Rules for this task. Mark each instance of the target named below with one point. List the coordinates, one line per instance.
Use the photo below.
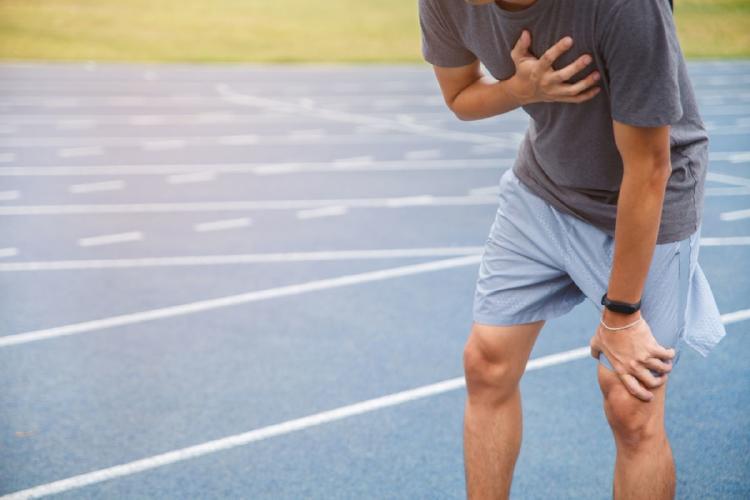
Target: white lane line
(7, 157)
(147, 120)
(736, 316)
(424, 154)
(75, 124)
(330, 255)
(315, 132)
(322, 212)
(271, 431)
(78, 152)
(725, 241)
(230, 95)
(290, 426)
(192, 177)
(232, 300)
(730, 156)
(108, 239)
(220, 225)
(223, 206)
(238, 140)
(9, 195)
(340, 165)
(735, 215)
(91, 187)
(486, 190)
(163, 145)
(728, 191)
(8, 252)
(210, 260)
(735, 180)
(354, 160)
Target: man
(604, 202)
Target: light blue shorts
(539, 263)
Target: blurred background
(279, 31)
(238, 247)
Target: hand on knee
(634, 423)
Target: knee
(633, 421)
(491, 377)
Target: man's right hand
(537, 81)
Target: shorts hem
(517, 319)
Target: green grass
(278, 30)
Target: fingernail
(586, 59)
(568, 40)
(596, 76)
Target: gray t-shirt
(568, 155)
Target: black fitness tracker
(620, 307)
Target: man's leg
(494, 360)
(644, 467)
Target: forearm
(639, 211)
(484, 98)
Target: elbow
(461, 115)
(654, 171)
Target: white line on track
(354, 160)
(341, 165)
(210, 260)
(75, 124)
(163, 145)
(230, 95)
(271, 431)
(486, 190)
(734, 180)
(725, 241)
(91, 187)
(295, 425)
(9, 195)
(322, 212)
(239, 140)
(729, 191)
(327, 255)
(108, 239)
(220, 225)
(7, 157)
(191, 178)
(424, 154)
(730, 156)
(223, 206)
(80, 151)
(735, 215)
(8, 252)
(233, 300)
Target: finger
(584, 96)
(660, 352)
(647, 379)
(574, 89)
(657, 365)
(634, 388)
(555, 51)
(573, 68)
(594, 348)
(521, 49)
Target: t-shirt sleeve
(441, 45)
(639, 46)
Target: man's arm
(645, 153)
(472, 95)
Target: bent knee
(633, 421)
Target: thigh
(522, 276)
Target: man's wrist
(513, 87)
(616, 319)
